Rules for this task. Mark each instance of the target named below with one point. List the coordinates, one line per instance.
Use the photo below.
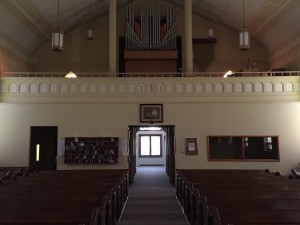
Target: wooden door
(43, 147)
(170, 152)
(132, 130)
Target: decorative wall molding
(14, 89)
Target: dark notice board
(243, 148)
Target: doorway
(43, 147)
(138, 155)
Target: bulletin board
(191, 147)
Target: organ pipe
(154, 31)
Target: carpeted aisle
(152, 200)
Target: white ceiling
(27, 24)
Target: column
(112, 36)
(188, 36)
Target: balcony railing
(152, 75)
(103, 87)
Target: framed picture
(191, 146)
(151, 113)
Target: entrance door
(170, 161)
(170, 151)
(43, 148)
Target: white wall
(192, 119)
(71, 119)
(202, 120)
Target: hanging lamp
(211, 33)
(229, 73)
(71, 74)
(244, 35)
(90, 30)
(57, 35)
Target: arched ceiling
(27, 25)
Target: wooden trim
(142, 55)
(204, 41)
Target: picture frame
(191, 147)
(151, 113)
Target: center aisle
(152, 200)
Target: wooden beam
(204, 40)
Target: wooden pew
(252, 187)
(238, 182)
(255, 204)
(262, 217)
(49, 204)
(41, 217)
(5, 175)
(186, 176)
(295, 173)
(222, 172)
(258, 191)
(248, 194)
(64, 178)
(25, 197)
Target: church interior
(117, 85)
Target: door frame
(170, 150)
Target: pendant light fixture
(57, 35)
(244, 35)
(90, 30)
(229, 73)
(71, 74)
(211, 33)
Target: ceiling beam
(271, 13)
(31, 17)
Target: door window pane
(155, 145)
(145, 145)
(150, 146)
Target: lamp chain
(57, 13)
(244, 26)
(210, 12)
(90, 6)
(90, 10)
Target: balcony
(150, 87)
(108, 75)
